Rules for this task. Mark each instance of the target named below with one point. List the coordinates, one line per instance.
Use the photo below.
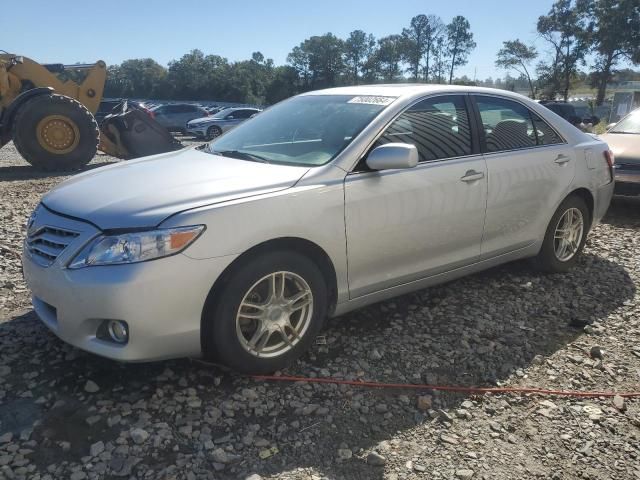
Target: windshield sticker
(371, 100)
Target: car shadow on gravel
(27, 172)
(481, 330)
(623, 212)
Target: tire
(79, 134)
(213, 132)
(548, 259)
(222, 331)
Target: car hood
(142, 193)
(625, 146)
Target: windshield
(306, 130)
(629, 124)
(220, 114)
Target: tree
(459, 42)
(414, 43)
(564, 27)
(358, 48)
(515, 55)
(321, 58)
(614, 35)
(135, 78)
(299, 60)
(440, 60)
(283, 84)
(389, 57)
(419, 42)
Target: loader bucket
(130, 132)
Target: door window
(544, 133)
(438, 127)
(507, 125)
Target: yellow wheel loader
(51, 120)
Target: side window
(438, 127)
(546, 135)
(243, 114)
(507, 124)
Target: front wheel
(267, 314)
(565, 236)
(55, 133)
(213, 132)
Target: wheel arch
(296, 244)
(586, 195)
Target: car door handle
(562, 159)
(472, 176)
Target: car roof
(411, 90)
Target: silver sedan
(322, 204)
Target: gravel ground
(65, 414)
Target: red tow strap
(446, 388)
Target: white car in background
(223, 121)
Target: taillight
(151, 113)
(611, 161)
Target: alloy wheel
(568, 234)
(274, 314)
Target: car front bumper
(197, 131)
(627, 179)
(161, 300)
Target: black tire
(220, 341)
(213, 132)
(25, 136)
(546, 260)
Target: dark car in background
(174, 116)
(570, 114)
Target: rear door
(404, 225)
(530, 168)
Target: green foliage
(608, 31)
(459, 43)
(565, 29)
(515, 55)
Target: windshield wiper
(240, 155)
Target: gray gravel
(65, 414)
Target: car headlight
(136, 247)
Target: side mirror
(393, 156)
(230, 117)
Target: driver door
(405, 225)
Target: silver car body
(400, 230)
(225, 120)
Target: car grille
(47, 243)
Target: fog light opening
(118, 331)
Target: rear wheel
(267, 314)
(565, 237)
(55, 133)
(213, 132)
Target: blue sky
(115, 30)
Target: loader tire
(55, 133)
